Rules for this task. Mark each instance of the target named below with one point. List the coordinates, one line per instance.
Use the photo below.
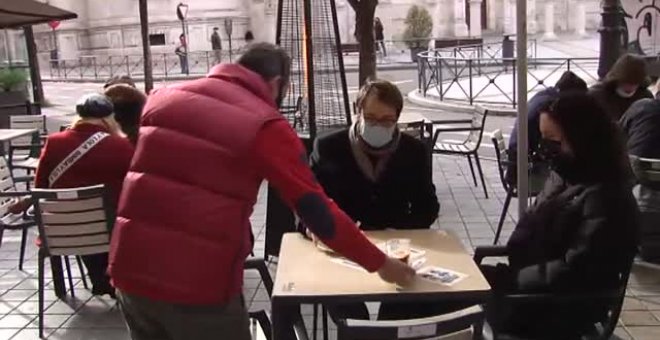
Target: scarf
(364, 153)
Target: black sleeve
(424, 206)
(590, 245)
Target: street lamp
(611, 32)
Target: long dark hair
(595, 139)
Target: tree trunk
(364, 17)
(146, 48)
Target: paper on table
(440, 275)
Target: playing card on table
(441, 275)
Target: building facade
(112, 27)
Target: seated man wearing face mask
(623, 85)
(376, 174)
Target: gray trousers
(156, 320)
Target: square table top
(9, 134)
(304, 272)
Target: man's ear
(274, 85)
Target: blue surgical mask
(375, 135)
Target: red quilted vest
(183, 230)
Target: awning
(18, 13)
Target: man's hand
(395, 271)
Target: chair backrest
(73, 221)
(6, 185)
(415, 129)
(478, 122)
(647, 170)
(27, 122)
(502, 154)
(454, 326)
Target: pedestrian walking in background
(181, 50)
(623, 85)
(379, 35)
(216, 45)
(183, 231)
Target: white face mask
(624, 94)
(375, 135)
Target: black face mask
(560, 162)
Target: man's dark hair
(384, 90)
(569, 81)
(215, 28)
(119, 79)
(268, 60)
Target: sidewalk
(495, 89)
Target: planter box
(11, 104)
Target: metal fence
(164, 65)
(481, 75)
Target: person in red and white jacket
(183, 232)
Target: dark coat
(216, 42)
(612, 103)
(582, 234)
(402, 198)
(641, 125)
(575, 239)
(534, 107)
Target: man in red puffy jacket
(183, 231)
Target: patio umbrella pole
(523, 148)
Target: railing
(104, 67)
(480, 77)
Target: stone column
(509, 9)
(460, 25)
(549, 22)
(532, 24)
(581, 20)
(441, 27)
(475, 18)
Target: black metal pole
(610, 36)
(340, 60)
(146, 48)
(33, 62)
(311, 98)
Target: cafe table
(7, 135)
(307, 275)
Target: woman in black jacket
(579, 235)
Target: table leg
(58, 276)
(287, 322)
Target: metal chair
(614, 297)
(10, 221)
(503, 162)
(460, 325)
(72, 222)
(24, 152)
(261, 317)
(470, 146)
(647, 173)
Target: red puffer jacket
(182, 231)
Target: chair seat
(466, 147)
(29, 163)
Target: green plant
(10, 78)
(419, 25)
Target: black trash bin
(507, 51)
